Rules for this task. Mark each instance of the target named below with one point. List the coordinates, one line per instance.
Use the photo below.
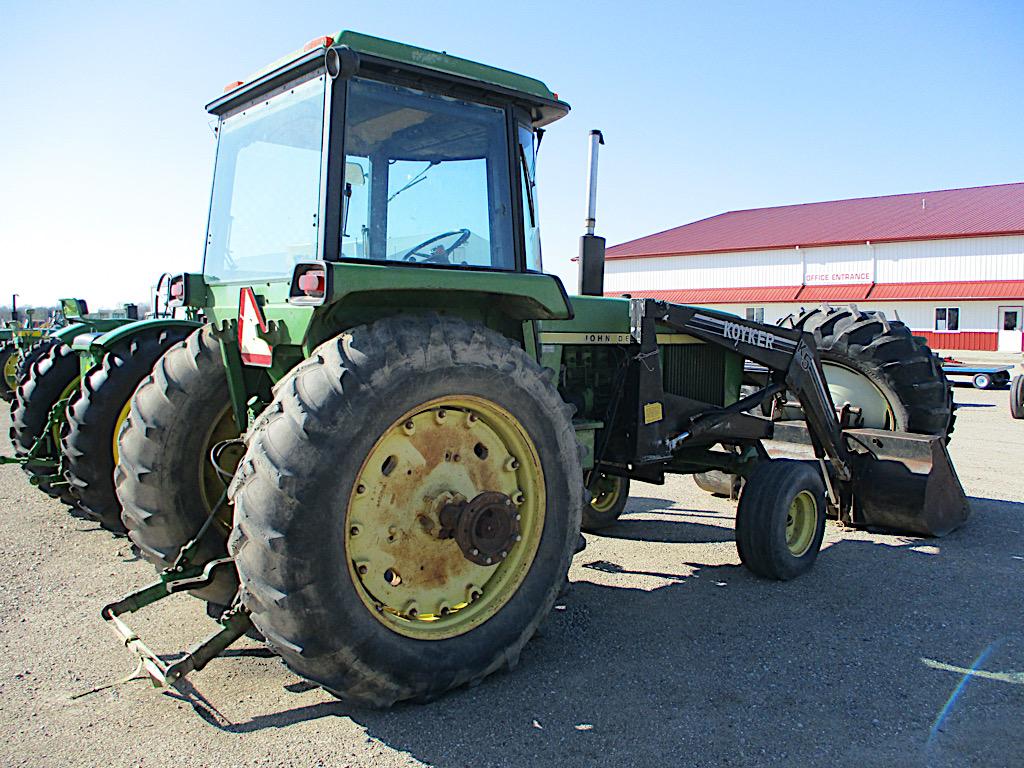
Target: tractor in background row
(379, 448)
(72, 391)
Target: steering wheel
(437, 258)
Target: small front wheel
(982, 381)
(609, 494)
(780, 521)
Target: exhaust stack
(591, 245)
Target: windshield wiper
(529, 185)
(421, 176)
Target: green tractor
(379, 450)
(73, 386)
(17, 343)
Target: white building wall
(957, 259)
(713, 270)
(967, 258)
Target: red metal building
(949, 263)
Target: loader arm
(790, 356)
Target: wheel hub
(485, 528)
(444, 517)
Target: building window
(756, 314)
(947, 319)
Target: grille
(696, 371)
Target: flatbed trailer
(982, 377)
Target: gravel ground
(665, 652)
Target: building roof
(775, 294)
(948, 213)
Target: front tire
(780, 520)
(351, 563)
(95, 418)
(609, 497)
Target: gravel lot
(665, 652)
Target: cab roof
(547, 106)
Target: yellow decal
(652, 413)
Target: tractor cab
(367, 151)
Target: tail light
(312, 283)
(176, 291)
(309, 284)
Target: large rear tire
(34, 352)
(1017, 397)
(885, 355)
(165, 482)
(53, 378)
(95, 417)
(344, 555)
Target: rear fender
(102, 342)
(358, 294)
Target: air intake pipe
(591, 245)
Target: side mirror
(354, 174)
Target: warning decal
(255, 351)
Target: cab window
(426, 179)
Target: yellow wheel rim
(409, 575)
(11, 371)
(121, 417)
(801, 523)
(606, 493)
(69, 390)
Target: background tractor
(72, 398)
(379, 448)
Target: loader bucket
(905, 482)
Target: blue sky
(106, 152)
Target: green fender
(106, 340)
(68, 332)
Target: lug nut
(360, 488)
(362, 570)
(354, 530)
